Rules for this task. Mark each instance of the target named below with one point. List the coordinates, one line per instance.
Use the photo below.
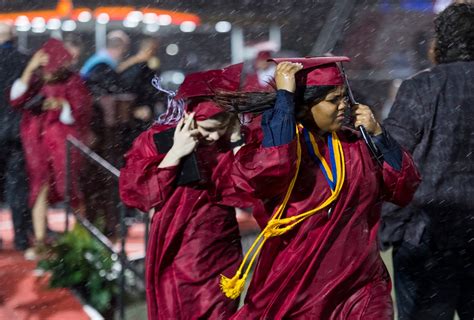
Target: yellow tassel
(232, 287)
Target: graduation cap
(317, 71)
(59, 57)
(204, 85)
(207, 83)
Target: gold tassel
(232, 287)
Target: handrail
(91, 155)
(72, 142)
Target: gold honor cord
(233, 287)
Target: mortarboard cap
(205, 84)
(317, 71)
(59, 57)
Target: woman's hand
(185, 136)
(184, 142)
(285, 75)
(363, 116)
(39, 59)
(52, 104)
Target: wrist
(237, 143)
(175, 154)
(378, 130)
(236, 137)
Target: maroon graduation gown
(44, 137)
(194, 236)
(327, 267)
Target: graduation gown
(194, 236)
(328, 267)
(44, 137)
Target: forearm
(171, 159)
(278, 124)
(27, 75)
(127, 64)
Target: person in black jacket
(433, 238)
(137, 80)
(12, 161)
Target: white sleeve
(18, 89)
(66, 114)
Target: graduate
(194, 236)
(55, 103)
(323, 191)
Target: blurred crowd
(109, 101)
(106, 104)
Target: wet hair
(454, 30)
(258, 102)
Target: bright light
(134, 16)
(38, 23)
(172, 49)
(187, 26)
(164, 19)
(24, 27)
(22, 21)
(150, 18)
(69, 25)
(84, 16)
(54, 24)
(152, 27)
(130, 23)
(103, 18)
(223, 26)
(177, 78)
(39, 29)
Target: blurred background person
(73, 43)
(101, 69)
(12, 158)
(101, 73)
(55, 103)
(136, 79)
(261, 74)
(432, 117)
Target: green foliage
(81, 262)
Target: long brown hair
(258, 102)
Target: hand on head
(285, 75)
(185, 136)
(39, 59)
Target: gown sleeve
(265, 170)
(142, 184)
(79, 98)
(32, 89)
(399, 185)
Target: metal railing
(71, 143)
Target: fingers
(363, 116)
(180, 124)
(289, 67)
(189, 120)
(285, 75)
(361, 109)
(194, 133)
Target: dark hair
(257, 102)
(74, 40)
(454, 29)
